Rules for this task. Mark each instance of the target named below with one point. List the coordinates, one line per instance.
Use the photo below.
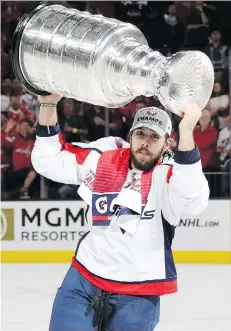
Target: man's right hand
(48, 115)
(52, 98)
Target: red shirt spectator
(128, 110)
(22, 145)
(5, 160)
(223, 143)
(4, 155)
(131, 108)
(14, 114)
(206, 139)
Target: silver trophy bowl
(99, 60)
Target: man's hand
(99, 121)
(48, 115)
(191, 114)
(68, 129)
(52, 98)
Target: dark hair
(167, 136)
(128, 137)
(6, 77)
(68, 100)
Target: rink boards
(48, 231)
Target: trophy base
(16, 44)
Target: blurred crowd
(168, 27)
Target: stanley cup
(58, 49)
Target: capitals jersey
(128, 247)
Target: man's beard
(147, 166)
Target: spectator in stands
(172, 30)
(92, 7)
(219, 100)
(217, 52)
(183, 9)
(14, 114)
(206, 139)
(226, 179)
(5, 159)
(105, 8)
(216, 121)
(96, 122)
(134, 12)
(224, 147)
(71, 123)
(10, 16)
(27, 100)
(22, 175)
(174, 139)
(128, 113)
(16, 88)
(14, 111)
(139, 104)
(128, 110)
(6, 92)
(6, 86)
(197, 26)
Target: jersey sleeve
(63, 162)
(187, 189)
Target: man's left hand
(191, 114)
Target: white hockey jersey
(131, 223)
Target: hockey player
(135, 196)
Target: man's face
(15, 102)
(139, 105)
(216, 36)
(227, 121)
(68, 108)
(205, 118)
(147, 148)
(7, 83)
(97, 109)
(17, 89)
(217, 87)
(172, 10)
(24, 128)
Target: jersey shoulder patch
(168, 158)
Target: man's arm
(187, 188)
(204, 18)
(57, 160)
(51, 156)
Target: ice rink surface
(203, 302)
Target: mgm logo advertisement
(7, 224)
